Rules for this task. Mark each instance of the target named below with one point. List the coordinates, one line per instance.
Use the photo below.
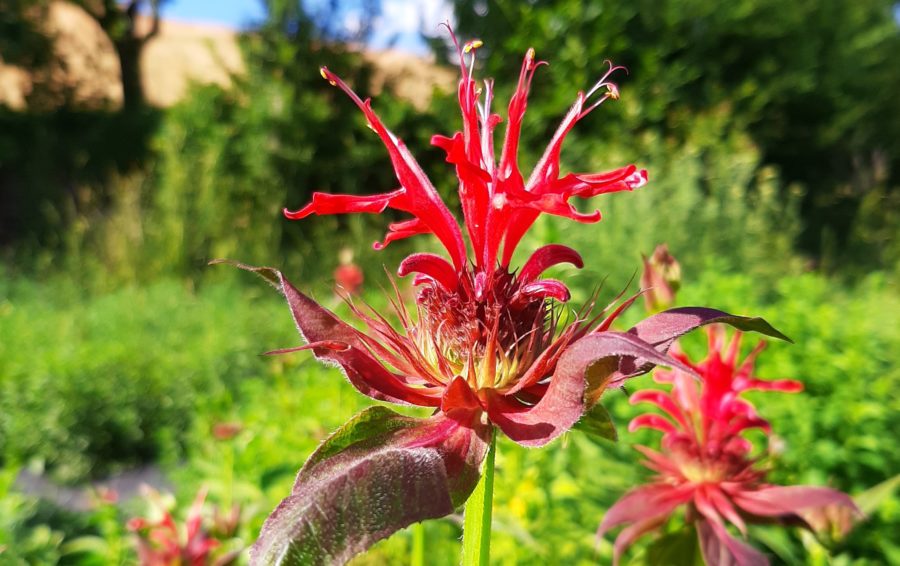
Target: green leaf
(598, 423)
(676, 549)
(869, 500)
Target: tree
(814, 84)
(120, 22)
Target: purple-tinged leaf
(320, 328)
(662, 329)
(568, 395)
(377, 474)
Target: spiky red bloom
(707, 465)
(162, 542)
(484, 338)
(486, 345)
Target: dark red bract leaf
(563, 404)
(662, 329)
(377, 474)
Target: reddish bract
(706, 463)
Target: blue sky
(398, 26)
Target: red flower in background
(163, 542)
(348, 277)
(487, 345)
(706, 464)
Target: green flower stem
(418, 545)
(477, 523)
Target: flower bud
(661, 279)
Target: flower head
(484, 337)
(707, 464)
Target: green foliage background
(770, 134)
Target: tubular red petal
(633, 532)
(402, 230)
(473, 188)
(645, 508)
(547, 288)
(587, 185)
(420, 198)
(431, 265)
(474, 194)
(325, 203)
(639, 504)
(656, 422)
(552, 203)
(547, 256)
(517, 105)
(726, 509)
(719, 547)
(662, 401)
(790, 500)
(508, 178)
(658, 462)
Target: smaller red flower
(348, 277)
(706, 464)
(162, 542)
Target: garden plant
(490, 348)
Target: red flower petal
(545, 257)
(431, 265)
(326, 203)
(418, 196)
(790, 500)
(401, 230)
(547, 288)
(719, 548)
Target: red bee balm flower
(163, 542)
(485, 346)
(706, 463)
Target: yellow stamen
(474, 44)
(324, 72)
(612, 91)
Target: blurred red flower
(706, 464)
